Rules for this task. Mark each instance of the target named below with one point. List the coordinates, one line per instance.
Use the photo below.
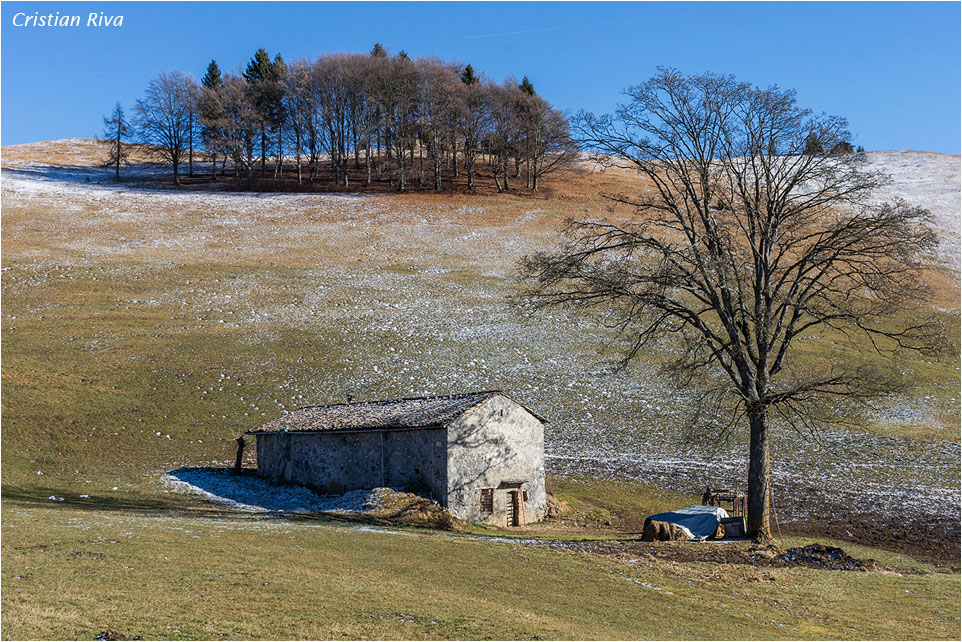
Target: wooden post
(239, 461)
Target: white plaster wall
(495, 443)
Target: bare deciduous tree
(473, 120)
(239, 124)
(548, 145)
(301, 121)
(439, 86)
(744, 246)
(163, 117)
(331, 79)
(503, 138)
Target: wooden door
(512, 511)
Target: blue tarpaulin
(698, 521)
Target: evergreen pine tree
(277, 114)
(212, 79)
(813, 145)
(378, 51)
(211, 112)
(526, 86)
(467, 76)
(116, 129)
(259, 67)
(841, 148)
(258, 75)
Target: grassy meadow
(144, 329)
(69, 573)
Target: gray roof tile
(419, 412)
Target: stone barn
(480, 455)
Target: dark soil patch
(922, 533)
(811, 556)
(928, 538)
(110, 634)
(821, 556)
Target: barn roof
(416, 412)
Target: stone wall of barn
(338, 461)
(497, 446)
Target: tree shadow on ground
(154, 176)
(130, 502)
(136, 176)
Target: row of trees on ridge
(376, 116)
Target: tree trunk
(190, 143)
(279, 168)
(400, 180)
(357, 157)
(263, 148)
(367, 162)
(421, 161)
(759, 480)
(176, 173)
(118, 154)
(298, 154)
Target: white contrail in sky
(515, 33)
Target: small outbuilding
(480, 455)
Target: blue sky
(891, 68)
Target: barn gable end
(496, 446)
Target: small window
(487, 500)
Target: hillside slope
(144, 328)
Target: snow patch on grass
(250, 493)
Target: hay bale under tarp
(699, 522)
(656, 531)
